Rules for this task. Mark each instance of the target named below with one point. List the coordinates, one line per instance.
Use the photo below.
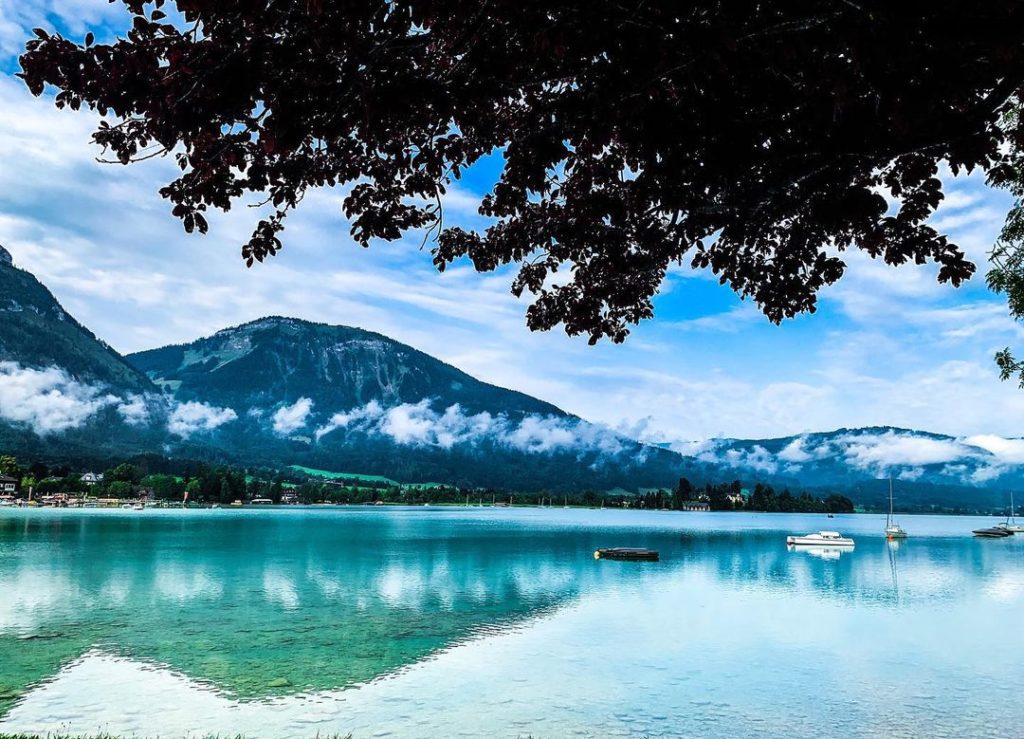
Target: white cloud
(134, 410)
(884, 346)
(418, 424)
(694, 448)
(48, 400)
(1009, 451)
(883, 451)
(756, 458)
(372, 411)
(76, 16)
(190, 418)
(794, 452)
(293, 417)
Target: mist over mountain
(342, 398)
(279, 391)
(275, 362)
(38, 332)
(62, 390)
(926, 467)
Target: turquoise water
(497, 622)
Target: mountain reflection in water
(257, 604)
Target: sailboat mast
(888, 519)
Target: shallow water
(447, 621)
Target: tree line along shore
(166, 482)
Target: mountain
(286, 391)
(282, 391)
(277, 361)
(35, 331)
(928, 468)
(63, 392)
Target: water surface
(478, 621)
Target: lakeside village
(155, 482)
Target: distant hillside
(282, 391)
(341, 398)
(927, 468)
(35, 331)
(63, 392)
(275, 361)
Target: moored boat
(993, 532)
(627, 553)
(892, 529)
(821, 539)
(830, 552)
(1011, 524)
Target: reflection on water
(821, 552)
(283, 603)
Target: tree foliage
(1007, 273)
(754, 139)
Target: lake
(435, 622)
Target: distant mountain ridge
(63, 392)
(281, 391)
(861, 459)
(37, 332)
(276, 361)
(343, 398)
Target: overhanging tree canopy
(752, 138)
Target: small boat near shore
(820, 539)
(993, 532)
(892, 528)
(1011, 524)
(630, 554)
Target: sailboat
(892, 529)
(1011, 520)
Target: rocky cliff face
(276, 361)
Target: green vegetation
(159, 479)
(732, 497)
(41, 332)
(343, 475)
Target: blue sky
(887, 347)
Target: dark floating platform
(627, 553)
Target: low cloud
(135, 411)
(190, 418)
(795, 453)
(293, 417)
(757, 458)
(905, 455)
(419, 424)
(1009, 451)
(48, 400)
(883, 451)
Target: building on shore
(8, 485)
(695, 505)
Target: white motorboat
(820, 539)
(826, 552)
(892, 529)
(1011, 524)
